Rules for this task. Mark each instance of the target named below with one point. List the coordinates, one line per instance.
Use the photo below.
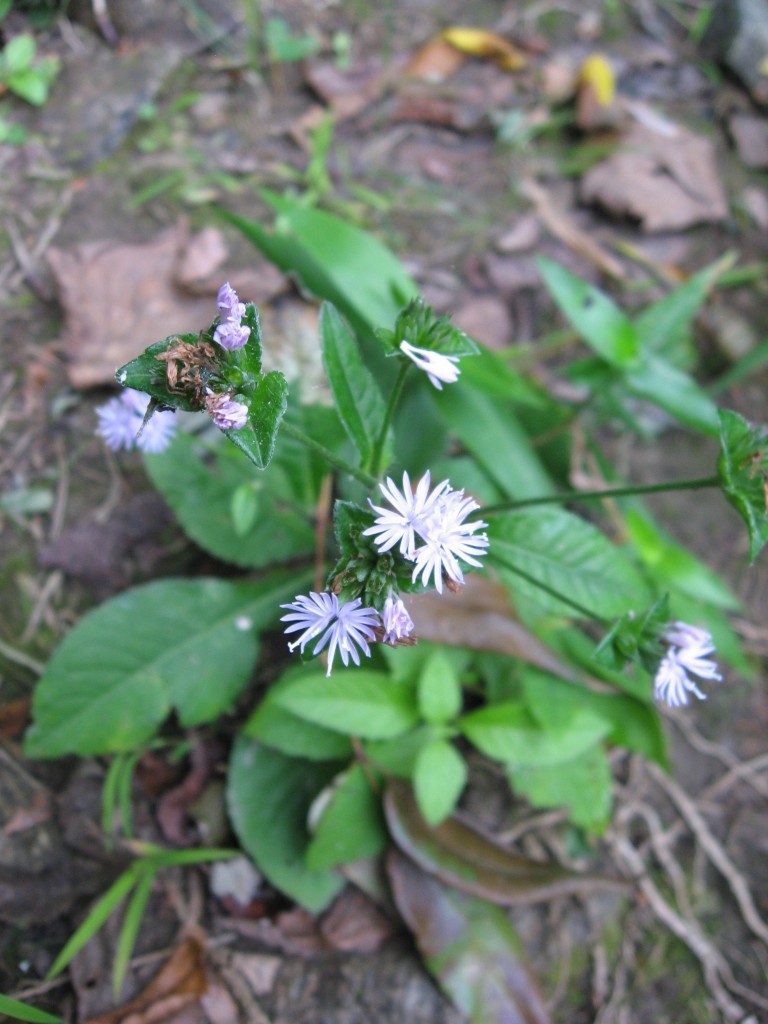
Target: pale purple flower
(343, 627)
(396, 620)
(229, 306)
(410, 510)
(437, 366)
(231, 335)
(225, 412)
(688, 655)
(121, 424)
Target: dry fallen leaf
(180, 982)
(480, 617)
(596, 106)
(750, 135)
(119, 298)
(435, 61)
(665, 182)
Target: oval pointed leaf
(464, 857)
(267, 408)
(358, 702)
(351, 827)
(439, 777)
(187, 644)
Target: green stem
(394, 398)
(584, 613)
(610, 492)
(328, 455)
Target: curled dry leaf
(479, 42)
(665, 182)
(469, 946)
(463, 856)
(479, 617)
(180, 982)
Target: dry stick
(715, 968)
(715, 851)
(717, 751)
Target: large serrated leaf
(269, 796)
(464, 857)
(568, 555)
(184, 644)
(469, 946)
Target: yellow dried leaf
(479, 42)
(597, 74)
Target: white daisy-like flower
(397, 622)
(410, 511)
(438, 367)
(343, 627)
(448, 539)
(688, 655)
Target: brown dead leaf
(487, 318)
(562, 226)
(435, 61)
(14, 718)
(665, 182)
(347, 93)
(180, 982)
(119, 298)
(173, 807)
(480, 617)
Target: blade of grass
(134, 915)
(20, 1011)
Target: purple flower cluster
(121, 424)
(230, 333)
(225, 412)
(687, 656)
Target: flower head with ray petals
(449, 540)
(688, 655)
(410, 511)
(343, 627)
(437, 366)
(121, 424)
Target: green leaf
(673, 566)
(489, 429)
(359, 702)
(583, 785)
(351, 827)
(439, 777)
(18, 54)
(134, 915)
(509, 733)
(283, 46)
(269, 796)
(200, 488)
(267, 408)
(29, 85)
(662, 326)
(333, 259)
(397, 757)
(675, 392)
(598, 319)
(567, 554)
(469, 946)
(244, 506)
(20, 1011)
(356, 395)
(439, 690)
(743, 471)
(287, 732)
(184, 644)
(147, 373)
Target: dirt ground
(466, 177)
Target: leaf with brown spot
(461, 855)
(180, 982)
(469, 946)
